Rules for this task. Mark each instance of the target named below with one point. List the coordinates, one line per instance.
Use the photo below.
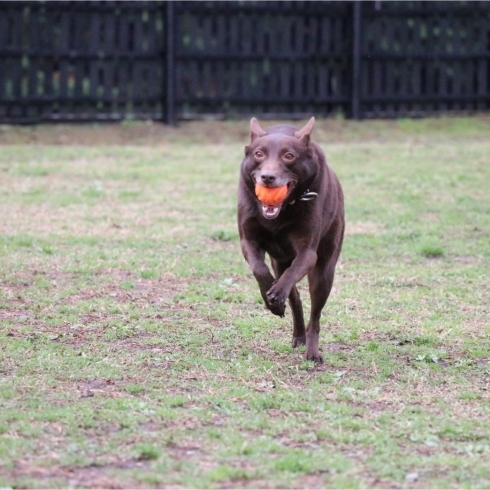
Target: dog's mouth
(272, 211)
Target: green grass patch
(136, 351)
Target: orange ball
(271, 196)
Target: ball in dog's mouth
(271, 199)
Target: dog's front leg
(301, 265)
(255, 256)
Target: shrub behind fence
(183, 60)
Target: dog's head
(276, 157)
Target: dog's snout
(267, 178)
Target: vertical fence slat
(170, 64)
(356, 60)
(64, 68)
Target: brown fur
(302, 237)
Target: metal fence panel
(268, 58)
(80, 60)
(421, 58)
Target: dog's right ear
(255, 130)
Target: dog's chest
(277, 245)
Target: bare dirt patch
(86, 477)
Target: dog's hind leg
(320, 281)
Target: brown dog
(302, 234)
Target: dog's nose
(268, 179)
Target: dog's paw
(297, 341)
(314, 356)
(276, 297)
(278, 310)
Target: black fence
(84, 61)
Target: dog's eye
(259, 154)
(289, 157)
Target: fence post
(356, 61)
(170, 63)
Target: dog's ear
(304, 133)
(255, 130)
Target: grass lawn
(135, 350)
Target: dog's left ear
(304, 133)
